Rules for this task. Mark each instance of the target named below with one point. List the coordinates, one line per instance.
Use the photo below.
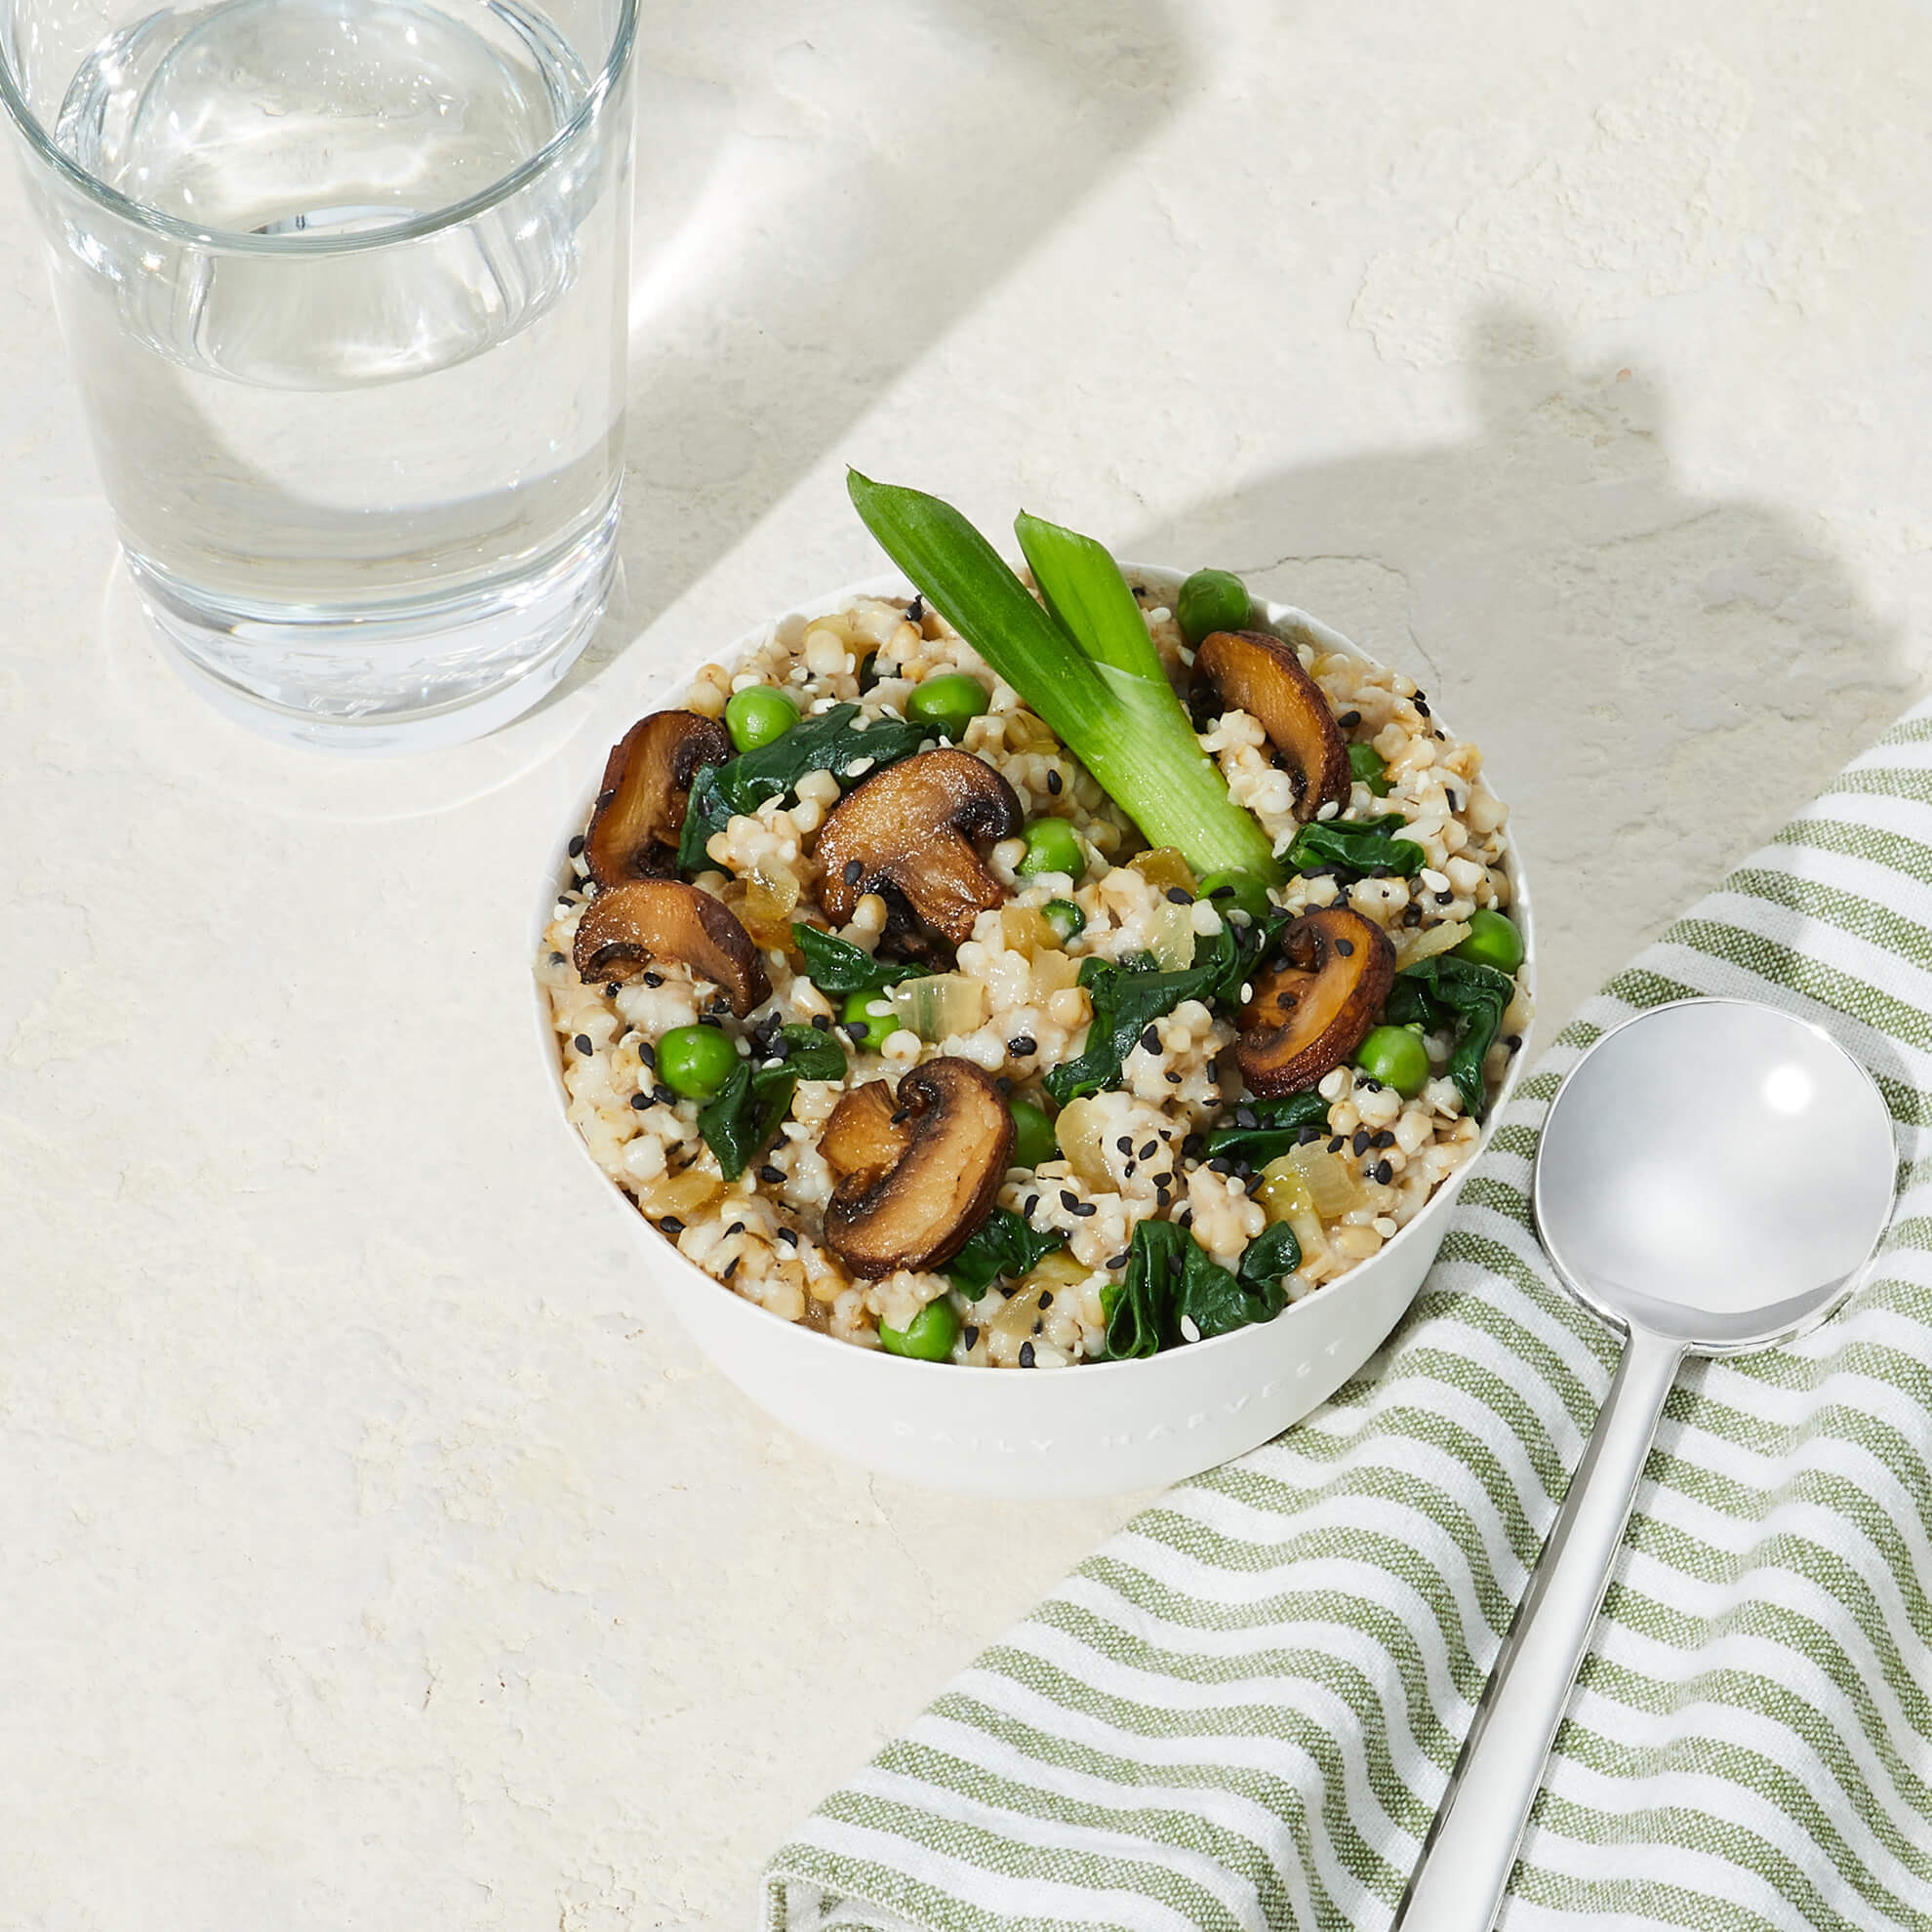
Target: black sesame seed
(770, 1176)
(1026, 1354)
(647, 1053)
(1455, 803)
(564, 901)
(1421, 708)
(1348, 720)
(1345, 947)
(1336, 1145)
(1221, 1164)
(640, 1102)
(1412, 915)
(1245, 1116)
(731, 1267)
(1383, 1171)
(1514, 1043)
(1367, 1085)
(662, 1095)
(1054, 782)
(1173, 1079)
(1151, 1041)
(1195, 1144)
(855, 871)
(1069, 1201)
(1127, 1172)
(856, 1030)
(1421, 697)
(1306, 1135)
(1222, 892)
(1022, 1046)
(915, 611)
(1360, 1143)
(789, 1236)
(575, 847)
(736, 1228)
(557, 959)
(822, 1023)
(1125, 1144)
(654, 978)
(672, 1225)
(1004, 1084)
(1384, 1139)
(582, 1043)
(1152, 1148)
(1186, 1218)
(901, 1115)
(1038, 1326)
(971, 1335)
(1046, 1297)
(1084, 1209)
(611, 991)
(1117, 1260)
(1179, 896)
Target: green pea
(949, 703)
(1064, 917)
(695, 1061)
(759, 714)
(1034, 1139)
(1052, 846)
(872, 1011)
(1237, 892)
(1211, 600)
(929, 1336)
(1493, 940)
(1368, 767)
(1397, 1057)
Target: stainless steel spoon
(1712, 1178)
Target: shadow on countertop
(1658, 679)
(799, 248)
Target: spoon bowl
(1715, 1171)
(1713, 1176)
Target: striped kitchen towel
(1243, 1712)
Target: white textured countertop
(376, 1553)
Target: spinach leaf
(1002, 1245)
(836, 966)
(1170, 1274)
(1128, 999)
(1442, 991)
(1356, 845)
(1277, 1127)
(832, 742)
(741, 1123)
(1269, 1258)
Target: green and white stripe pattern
(1242, 1713)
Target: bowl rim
(1275, 615)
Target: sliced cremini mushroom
(634, 830)
(1260, 674)
(1309, 1013)
(628, 927)
(909, 834)
(917, 1171)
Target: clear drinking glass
(343, 284)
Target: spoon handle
(1471, 1848)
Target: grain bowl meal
(1024, 972)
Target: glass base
(411, 678)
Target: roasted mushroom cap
(634, 830)
(1310, 1014)
(916, 1173)
(1262, 675)
(628, 927)
(907, 834)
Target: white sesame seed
(1434, 881)
(1190, 1329)
(1329, 810)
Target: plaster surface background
(378, 1554)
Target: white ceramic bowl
(1093, 1429)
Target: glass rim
(239, 241)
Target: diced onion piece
(1171, 936)
(681, 1194)
(1057, 1271)
(1284, 1190)
(1079, 1128)
(1334, 1186)
(939, 1005)
(1427, 943)
(1164, 866)
(1025, 929)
